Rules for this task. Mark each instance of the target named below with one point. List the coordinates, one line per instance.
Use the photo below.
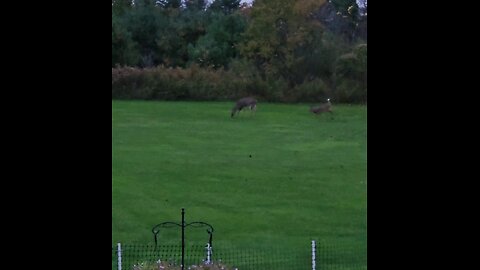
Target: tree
(226, 6)
(219, 45)
(145, 3)
(169, 3)
(345, 18)
(124, 49)
(280, 37)
(346, 7)
(351, 75)
(195, 4)
(120, 6)
(146, 24)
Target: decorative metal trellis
(183, 225)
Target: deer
(324, 107)
(247, 102)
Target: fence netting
(328, 257)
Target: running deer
(325, 107)
(247, 102)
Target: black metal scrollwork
(168, 224)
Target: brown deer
(324, 107)
(247, 102)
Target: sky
(361, 3)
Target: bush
(351, 76)
(241, 79)
(167, 266)
(311, 91)
(350, 91)
(192, 83)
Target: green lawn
(280, 177)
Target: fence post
(119, 253)
(313, 254)
(183, 238)
(209, 254)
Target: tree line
(277, 50)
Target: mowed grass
(280, 177)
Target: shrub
(311, 91)
(241, 79)
(351, 76)
(192, 83)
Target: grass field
(280, 177)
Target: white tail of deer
(247, 102)
(324, 107)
